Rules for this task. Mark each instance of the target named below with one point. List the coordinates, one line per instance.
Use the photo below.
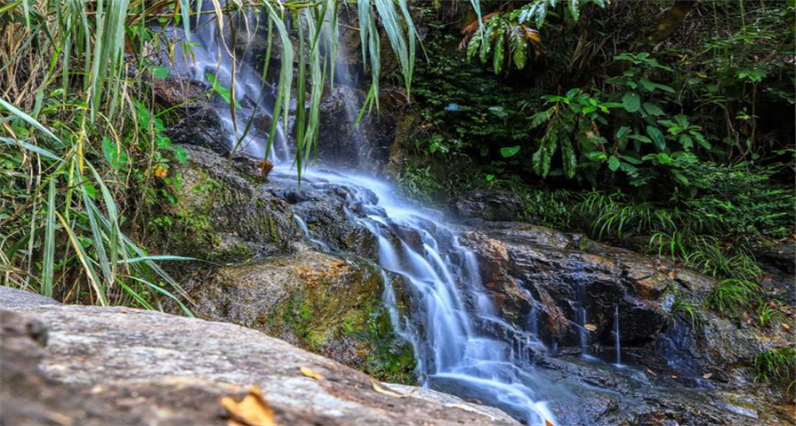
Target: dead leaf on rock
(253, 410)
(707, 375)
(386, 391)
(310, 373)
(590, 327)
(471, 409)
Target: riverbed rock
(122, 366)
(328, 304)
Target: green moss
(352, 323)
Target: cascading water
(455, 351)
(211, 55)
(453, 328)
(582, 316)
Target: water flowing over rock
(514, 316)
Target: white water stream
(453, 327)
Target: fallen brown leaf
(381, 389)
(785, 326)
(651, 372)
(707, 375)
(471, 409)
(548, 423)
(253, 410)
(590, 327)
(310, 373)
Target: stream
(461, 343)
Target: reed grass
(80, 141)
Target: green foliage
(777, 365)
(569, 126)
(769, 314)
(731, 295)
(682, 307)
(508, 37)
(551, 208)
(418, 183)
(85, 256)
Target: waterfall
(211, 54)
(455, 351)
(452, 326)
(617, 342)
(582, 318)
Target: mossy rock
(326, 304)
(220, 213)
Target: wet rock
(364, 147)
(324, 303)
(488, 204)
(565, 273)
(197, 122)
(329, 211)
(124, 366)
(779, 267)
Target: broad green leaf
(653, 109)
(613, 163)
(622, 132)
(509, 151)
(160, 73)
(631, 101)
(657, 137)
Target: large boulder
(328, 304)
(93, 366)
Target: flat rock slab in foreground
(86, 366)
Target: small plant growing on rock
(777, 365)
(732, 294)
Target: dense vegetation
(666, 127)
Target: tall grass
(81, 148)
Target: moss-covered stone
(220, 213)
(327, 304)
